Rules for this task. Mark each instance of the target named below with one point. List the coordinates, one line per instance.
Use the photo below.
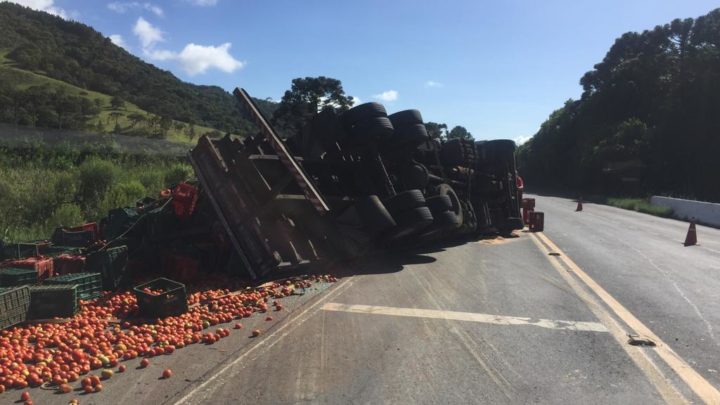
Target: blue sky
(499, 68)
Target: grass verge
(639, 205)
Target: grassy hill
(108, 118)
(52, 71)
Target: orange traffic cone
(691, 238)
(579, 207)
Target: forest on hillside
(76, 54)
(648, 120)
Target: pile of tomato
(105, 333)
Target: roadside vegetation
(41, 188)
(639, 205)
(644, 123)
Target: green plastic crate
(89, 285)
(171, 302)
(15, 276)
(14, 304)
(110, 263)
(50, 301)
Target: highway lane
(490, 321)
(640, 260)
(407, 336)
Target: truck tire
(375, 127)
(406, 118)
(361, 112)
(410, 135)
(410, 222)
(447, 190)
(439, 203)
(414, 176)
(404, 201)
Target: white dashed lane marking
(467, 316)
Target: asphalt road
(541, 318)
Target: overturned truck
(349, 183)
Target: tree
(435, 130)
(116, 116)
(306, 98)
(135, 118)
(459, 132)
(117, 102)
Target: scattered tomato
(144, 363)
(167, 373)
(256, 333)
(122, 368)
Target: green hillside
(128, 118)
(647, 120)
(52, 71)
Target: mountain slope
(76, 54)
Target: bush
(152, 180)
(66, 215)
(177, 173)
(121, 195)
(96, 177)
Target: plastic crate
(89, 285)
(14, 304)
(66, 237)
(51, 301)
(43, 266)
(110, 263)
(15, 276)
(54, 250)
(68, 264)
(169, 300)
(22, 250)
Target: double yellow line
(567, 269)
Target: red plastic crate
(43, 266)
(68, 264)
(184, 199)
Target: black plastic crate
(169, 298)
(15, 276)
(89, 285)
(65, 237)
(22, 250)
(110, 263)
(14, 304)
(51, 301)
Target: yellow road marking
(466, 316)
(699, 385)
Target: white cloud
(389, 95)
(196, 59)
(147, 34)
(43, 5)
(123, 6)
(204, 3)
(118, 40)
(432, 83)
(356, 101)
(522, 139)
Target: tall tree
(435, 130)
(459, 132)
(306, 97)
